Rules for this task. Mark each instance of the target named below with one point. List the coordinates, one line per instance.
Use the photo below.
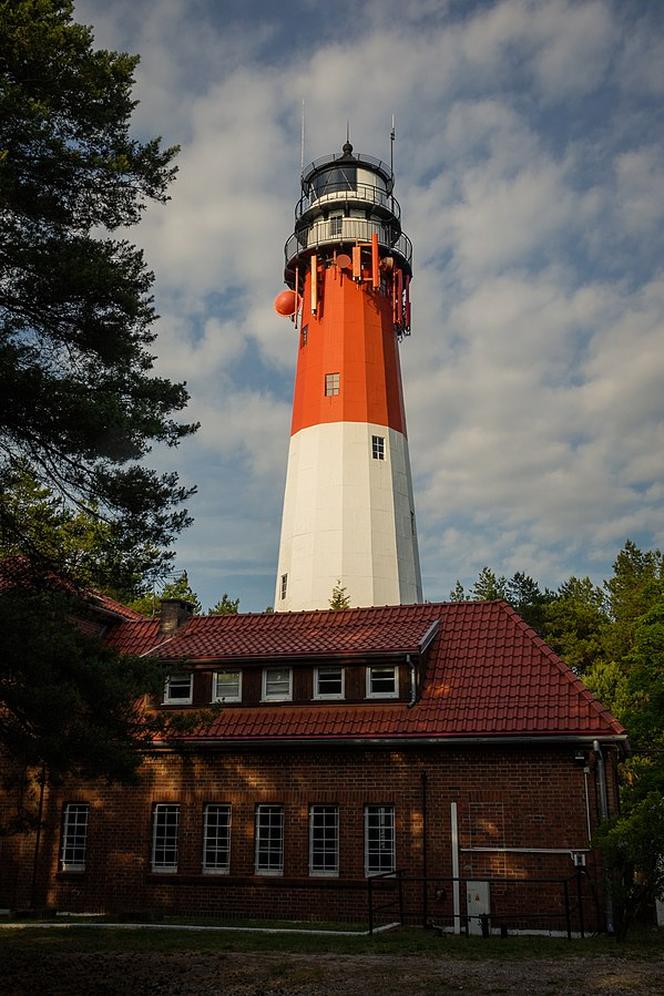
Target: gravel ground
(277, 974)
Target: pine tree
(340, 599)
(458, 593)
(488, 587)
(180, 588)
(78, 402)
(226, 606)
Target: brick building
(439, 741)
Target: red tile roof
(19, 572)
(290, 635)
(488, 674)
(110, 605)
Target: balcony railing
(367, 193)
(352, 230)
(356, 160)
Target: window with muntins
(277, 684)
(383, 682)
(165, 829)
(331, 385)
(336, 225)
(323, 840)
(179, 689)
(227, 686)
(74, 836)
(329, 682)
(304, 335)
(216, 839)
(379, 839)
(378, 447)
(269, 840)
(284, 585)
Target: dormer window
(227, 686)
(179, 689)
(329, 682)
(277, 684)
(383, 682)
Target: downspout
(456, 898)
(604, 814)
(35, 859)
(413, 676)
(425, 851)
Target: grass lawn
(642, 945)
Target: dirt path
(275, 974)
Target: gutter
(390, 741)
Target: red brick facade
(521, 810)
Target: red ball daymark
(285, 303)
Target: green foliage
(633, 846)
(78, 403)
(458, 593)
(636, 585)
(226, 606)
(148, 604)
(575, 623)
(340, 599)
(82, 545)
(488, 587)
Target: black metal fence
(567, 906)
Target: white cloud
(534, 375)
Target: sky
(530, 173)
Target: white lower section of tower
(347, 516)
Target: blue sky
(531, 177)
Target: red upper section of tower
(350, 334)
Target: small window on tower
(336, 225)
(304, 335)
(378, 447)
(331, 385)
(284, 585)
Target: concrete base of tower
(348, 515)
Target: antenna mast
(393, 136)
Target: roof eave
(618, 739)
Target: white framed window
(379, 850)
(269, 840)
(165, 831)
(336, 224)
(383, 682)
(304, 335)
(216, 839)
(227, 686)
(277, 684)
(179, 689)
(331, 385)
(323, 840)
(75, 819)
(329, 682)
(378, 447)
(284, 585)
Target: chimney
(175, 612)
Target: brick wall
(508, 798)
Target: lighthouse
(348, 512)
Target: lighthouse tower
(348, 510)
